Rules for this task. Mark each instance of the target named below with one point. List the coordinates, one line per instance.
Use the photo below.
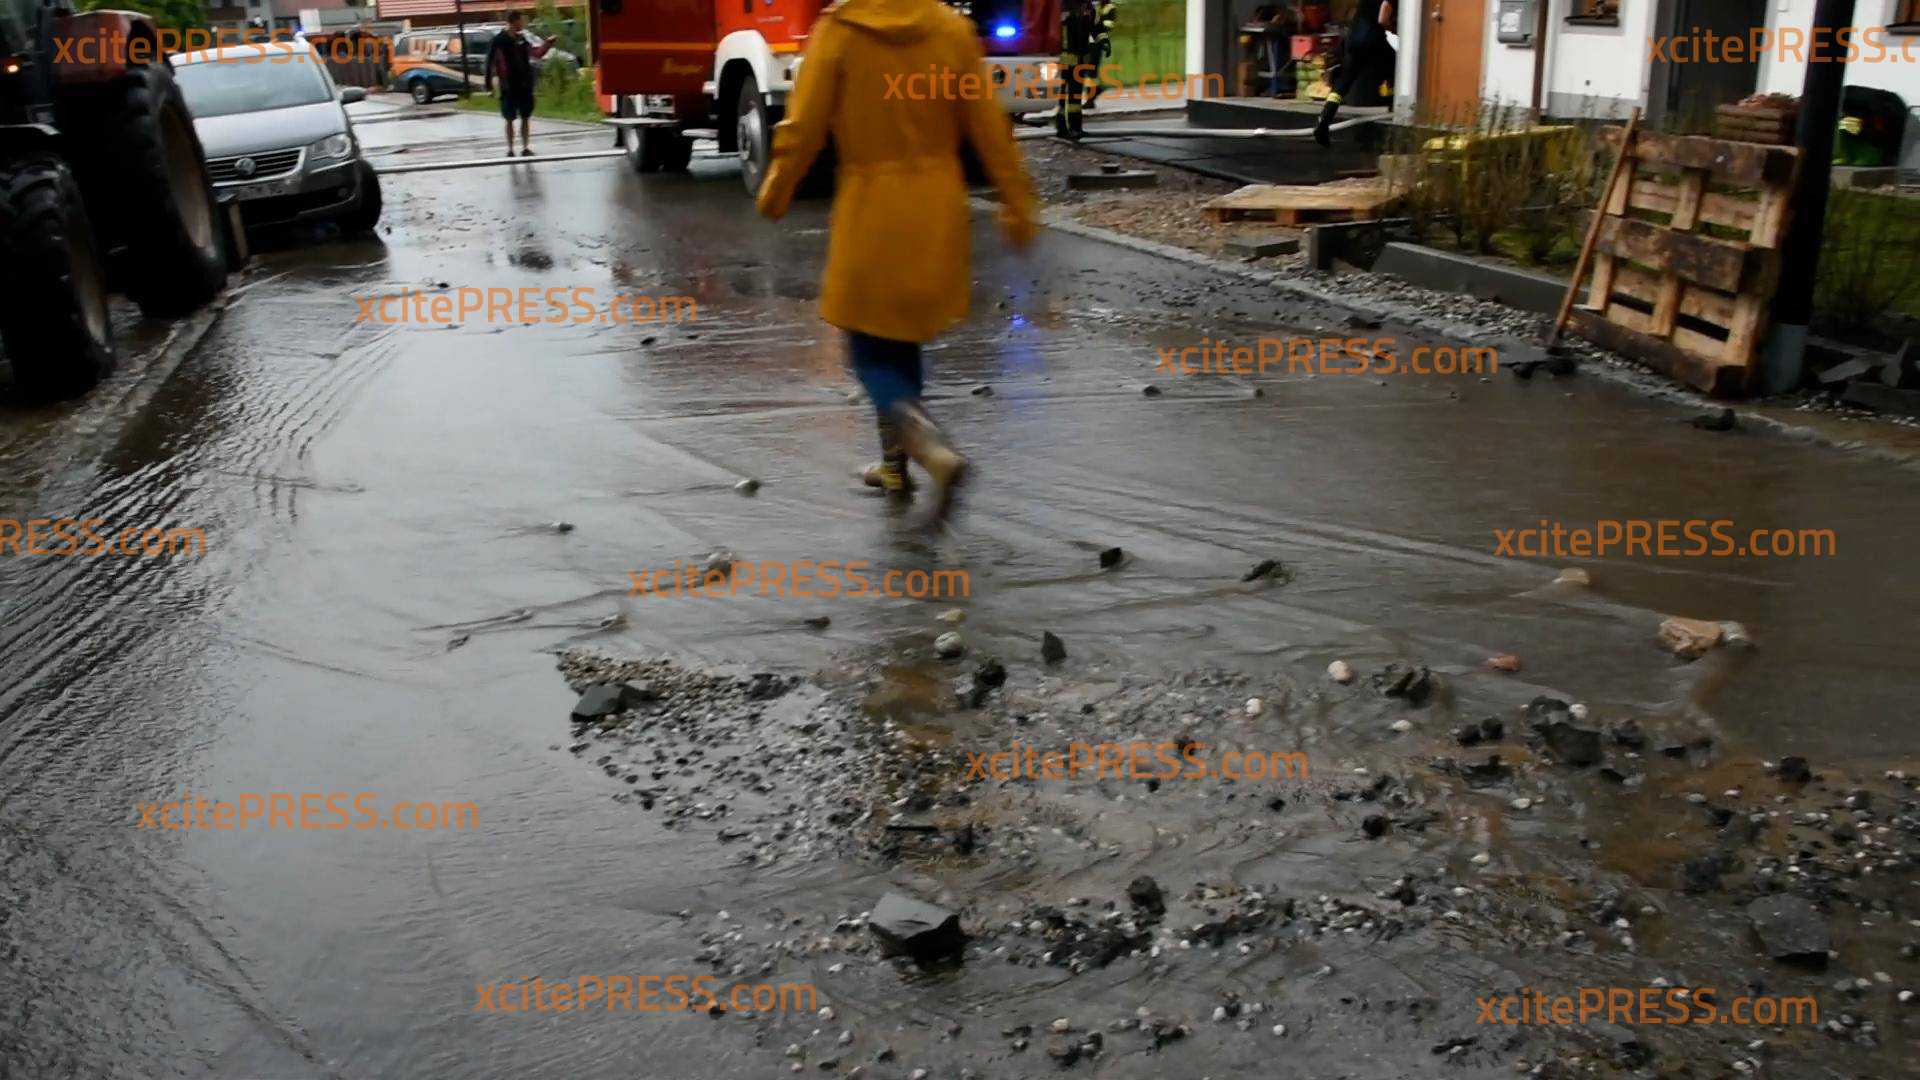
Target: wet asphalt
(382, 591)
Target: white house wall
(1597, 71)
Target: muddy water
(371, 495)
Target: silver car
(276, 135)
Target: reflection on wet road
(382, 592)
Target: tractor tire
(141, 167)
(54, 325)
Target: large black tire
(420, 90)
(140, 165)
(365, 213)
(753, 134)
(54, 322)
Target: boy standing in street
(511, 61)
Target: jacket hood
(893, 21)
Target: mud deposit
(1343, 922)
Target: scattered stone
(1255, 706)
(561, 526)
(1793, 770)
(1144, 893)
(818, 622)
(1401, 726)
(1374, 825)
(1573, 576)
(1791, 929)
(602, 700)
(1413, 685)
(1111, 557)
(1575, 746)
(950, 645)
(1052, 649)
(1504, 662)
(1522, 803)
(1150, 390)
(909, 927)
(1269, 568)
(1340, 671)
(988, 677)
(1627, 733)
(983, 390)
(1689, 638)
(952, 615)
(1720, 421)
(747, 486)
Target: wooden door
(1452, 40)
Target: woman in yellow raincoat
(900, 85)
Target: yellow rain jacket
(899, 84)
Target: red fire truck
(669, 71)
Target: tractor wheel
(54, 324)
(139, 162)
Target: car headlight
(331, 147)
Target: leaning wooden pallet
(1687, 255)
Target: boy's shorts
(516, 104)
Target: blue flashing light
(1005, 31)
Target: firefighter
(898, 246)
(1079, 59)
(1104, 14)
(1366, 66)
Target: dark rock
(1414, 685)
(1488, 772)
(1627, 733)
(1063, 1052)
(1111, 557)
(602, 700)
(988, 677)
(1702, 875)
(766, 686)
(1052, 649)
(1144, 893)
(1792, 930)
(909, 927)
(1573, 745)
(983, 390)
(1269, 568)
(1467, 735)
(1374, 825)
(819, 622)
(1794, 770)
(1492, 730)
(1720, 421)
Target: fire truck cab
(668, 71)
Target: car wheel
(753, 133)
(421, 91)
(139, 162)
(365, 213)
(54, 324)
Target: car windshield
(251, 83)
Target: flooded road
(383, 594)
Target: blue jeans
(889, 370)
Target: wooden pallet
(1756, 123)
(1297, 205)
(1666, 291)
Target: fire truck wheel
(140, 163)
(54, 324)
(753, 129)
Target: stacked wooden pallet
(1688, 255)
(1770, 124)
(1301, 204)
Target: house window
(1597, 12)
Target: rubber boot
(927, 445)
(1322, 132)
(889, 474)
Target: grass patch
(562, 94)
